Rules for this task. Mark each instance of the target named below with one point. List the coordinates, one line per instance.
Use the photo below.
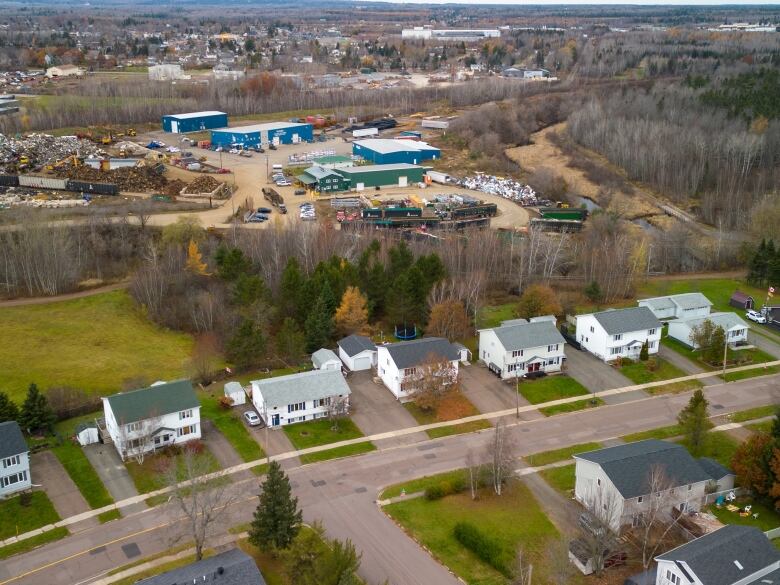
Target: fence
(774, 533)
(711, 498)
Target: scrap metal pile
(131, 179)
(506, 188)
(37, 150)
(26, 197)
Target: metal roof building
(382, 175)
(257, 134)
(386, 151)
(194, 121)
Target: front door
(534, 367)
(174, 127)
(403, 182)
(275, 420)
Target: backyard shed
(742, 300)
(383, 151)
(268, 133)
(235, 392)
(325, 359)
(87, 433)
(194, 122)
(384, 175)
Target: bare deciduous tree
(338, 409)
(500, 458)
(137, 437)
(560, 570)
(431, 380)
(523, 569)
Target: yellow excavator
(71, 159)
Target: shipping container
(485, 210)
(374, 212)
(363, 132)
(42, 182)
(96, 188)
(9, 180)
(438, 177)
(390, 212)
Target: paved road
(342, 492)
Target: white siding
(591, 335)
(491, 350)
(291, 413)
(394, 379)
(14, 474)
(682, 332)
(364, 360)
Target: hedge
(484, 546)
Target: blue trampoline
(405, 333)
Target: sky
(599, 2)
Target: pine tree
(8, 408)
(644, 353)
(290, 341)
(277, 519)
(247, 346)
(231, 263)
(319, 326)
(694, 421)
(593, 292)
(36, 414)
(352, 314)
(247, 289)
(291, 289)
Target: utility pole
(517, 393)
(725, 352)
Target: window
(617, 337)
(13, 478)
(188, 430)
(591, 329)
(640, 499)
(185, 414)
(651, 332)
(598, 481)
(134, 443)
(517, 353)
(690, 487)
(136, 426)
(552, 347)
(651, 345)
(511, 367)
(296, 407)
(410, 371)
(11, 461)
(615, 350)
(322, 402)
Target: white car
(234, 151)
(283, 183)
(755, 316)
(252, 419)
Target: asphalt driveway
(686, 365)
(219, 446)
(111, 470)
(47, 471)
(489, 394)
(595, 375)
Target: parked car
(755, 316)
(282, 208)
(283, 183)
(300, 192)
(252, 419)
(245, 153)
(234, 151)
(272, 146)
(264, 210)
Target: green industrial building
(359, 178)
(323, 180)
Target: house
(235, 392)
(325, 359)
(14, 460)
(732, 555)
(164, 414)
(742, 300)
(518, 347)
(682, 306)
(232, 567)
(299, 397)
(617, 333)
(736, 329)
(399, 365)
(64, 71)
(615, 482)
(357, 352)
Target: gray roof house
(735, 328)
(619, 333)
(357, 352)
(408, 354)
(14, 460)
(299, 397)
(623, 473)
(678, 306)
(626, 320)
(518, 348)
(325, 359)
(398, 364)
(232, 567)
(729, 556)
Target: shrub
(487, 548)
(444, 488)
(25, 498)
(225, 402)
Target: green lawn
(762, 427)
(754, 413)
(492, 315)
(30, 543)
(420, 484)
(659, 433)
(571, 406)
(547, 457)
(561, 478)
(639, 373)
(513, 519)
(551, 388)
(17, 519)
(719, 446)
(717, 290)
(246, 378)
(148, 476)
(735, 358)
(768, 518)
(469, 427)
(94, 343)
(320, 432)
(228, 422)
(336, 452)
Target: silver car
(252, 419)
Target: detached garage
(357, 352)
(397, 175)
(194, 122)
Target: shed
(464, 352)
(87, 433)
(384, 151)
(194, 122)
(742, 300)
(325, 359)
(382, 175)
(357, 352)
(269, 133)
(235, 392)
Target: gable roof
(713, 557)
(322, 356)
(628, 466)
(233, 567)
(11, 439)
(320, 173)
(407, 354)
(726, 320)
(156, 400)
(616, 321)
(528, 335)
(694, 300)
(313, 385)
(714, 469)
(390, 145)
(740, 296)
(354, 344)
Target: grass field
(768, 518)
(229, 423)
(719, 446)
(33, 542)
(748, 356)
(571, 406)
(659, 433)
(452, 407)
(320, 432)
(551, 388)
(513, 519)
(492, 315)
(561, 478)
(17, 519)
(148, 476)
(547, 457)
(639, 373)
(94, 343)
(419, 485)
(754, 413)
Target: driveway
(595, 375)
(111, 470)
(686, 365)
(562, 511)
(47, 471)
(489, 394)
(273, 441)
(374, 409)
(219, 446)
(764, 343)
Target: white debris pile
(23, 197)
(310, 155)
(506, 188)
(42, 149)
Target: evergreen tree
(290, 341)
(8, 408)
(319, 326)
(36, 414)
(593, 292)
(644, 353)
(291, 289)
(406, 299)
(694, 421)
(247, 346)
(372, 279)
(341, 563)
(231, 263)
(277, 519)
(773, 269)
(432, 269)
(401, 259)
(304, 554)
(758, 265)
(248, 289)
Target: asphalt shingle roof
(154, 401)
(321, 356)
(283, 390)
(233, 567)
(627, 320)
(725, 320)
(354, 344)
(528, 335)
(11, 439)
(712, 557)
(407, 354)
(714, 469)
(628, 466)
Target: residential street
(342, 493)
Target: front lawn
(719, 446)
(754, 413)
(94, 343)
(512, 520)
(28, 544)
(657, 369)
(571, 406)
(768, 518)
(547, 457)
(229, 423)
(551, 388)
(420, 484)
(320, 432)
(453, 405)
(561, 478)
(150, 475)
(742, 357)
(17, 519)
(659, 433)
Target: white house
(517, 348)
(64, 71)
(325, 359)
(682, 306)
(357, 352)
(235, 391)
(166, 413)
(732, 555)
(14, 460)
(619, 332)
(399, 364)
(736, 329)
(299, 397)
(615, 483)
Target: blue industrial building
(257, 134)
(382, 151)
(194, 122)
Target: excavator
(71, 159)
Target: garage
(357, 352)
(362, 362)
